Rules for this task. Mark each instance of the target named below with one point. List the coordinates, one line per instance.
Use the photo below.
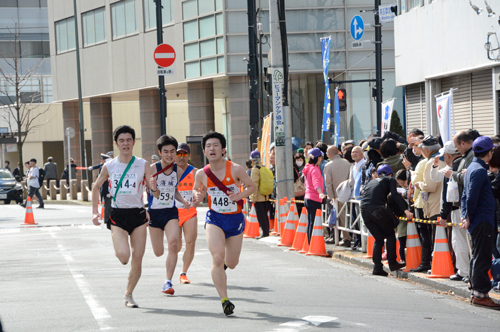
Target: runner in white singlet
(127, 218)
(164, 218)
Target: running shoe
(184, 279)
(228, 308)
(129, 301)
(167, 288)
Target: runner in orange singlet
(224, 220)
(188, 219)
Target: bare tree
(19, 110)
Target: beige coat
(336, 171)
(432, 206)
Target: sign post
(164, 56)
(70, 133)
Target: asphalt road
(63, 276)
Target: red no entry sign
(164, 55)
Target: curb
(456, 288)
(68, 202)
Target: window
(65, 35)
(23, 3)
(167, 14)
(189, 9)
(94, 26)
(203, 55)
(124, 18)
(190, 31)
(25, 49)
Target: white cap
(449, 147)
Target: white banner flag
(386, 115)
(443, 103)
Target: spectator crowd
(453, 183)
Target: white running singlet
(130, 192)
(167, 185)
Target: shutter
(415, 107)
(482, 103)
(461, 100)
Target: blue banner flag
(325, 52)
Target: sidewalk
(454, 288)
(355, 257)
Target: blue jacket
(477, 198)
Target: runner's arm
(151, 180)
(199, 188)
(240, 174)
(103, 176)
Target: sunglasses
(181, 154)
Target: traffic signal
(268, 82)
(342, 100)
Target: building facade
(208, 89)
(24, 34)
(440, 45)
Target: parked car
(10, 189)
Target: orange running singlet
(185, 188)
(218, 201)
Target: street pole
(253, 73)
(261, 77)
(69, 157)
(282, 125)
(161, 79)
(378, 65)
(80, 103)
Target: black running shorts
(127, 219)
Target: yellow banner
(266, 140)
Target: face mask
(415, 152)
(365, 154)
(299, 163)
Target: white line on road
(99, 312)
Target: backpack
(266, 181)
(41, 176)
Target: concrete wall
(441, 38)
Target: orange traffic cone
(300, 234)
(283, 215)
(369, 245)
(29, 219)
(317, 246)
(289, 231)
(296, 220)
(244, 211)
(442, 266)
(413, 248)
(253, 225)
(276, 228)
(305, 245)
(271, 222)
(102, 208)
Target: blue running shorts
(231, 224)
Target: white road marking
(99, 312)
(318, 320)
(304, 324)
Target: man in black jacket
(380, 220)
